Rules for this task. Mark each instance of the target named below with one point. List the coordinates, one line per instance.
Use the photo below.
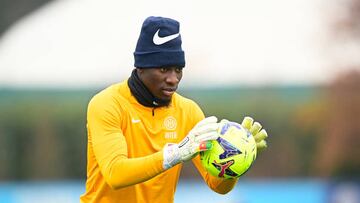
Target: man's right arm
(110, 148)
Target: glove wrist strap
(171, 156)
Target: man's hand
(197, 140)
(254, 128)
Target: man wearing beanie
(140, 131)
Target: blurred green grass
(43, 131)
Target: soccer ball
(232, 153)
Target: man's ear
(139, 71)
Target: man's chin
(165, 95)
(165, 99)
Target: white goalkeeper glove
(254, 128)
(197, 140)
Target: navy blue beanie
(159, 44)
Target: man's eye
(163, 70)
(178, 70)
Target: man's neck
(143, 94)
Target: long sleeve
(110, 147)
(219, 185)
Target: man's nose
(172, 77)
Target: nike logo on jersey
(135, 120)
(162, 40)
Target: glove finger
(211, 119)
(224, 121)
(255, 128)
(261, 135)
(261, 146)
(206, 128)
(207, 136)
(247, 122)
(205, 145)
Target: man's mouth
(168, 91)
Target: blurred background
(292, 65)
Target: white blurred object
(88, 42)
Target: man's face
(162, 82)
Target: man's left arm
(219, 185)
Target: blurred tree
(309, 122)
(334, 120)
(338, 152)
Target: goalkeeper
(141, 130)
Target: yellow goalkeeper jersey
(125, 142)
